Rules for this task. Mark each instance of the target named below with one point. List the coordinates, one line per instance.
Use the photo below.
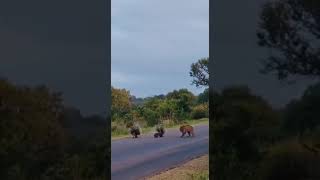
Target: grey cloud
(158, 40)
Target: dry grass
(196, 169)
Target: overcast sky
(155, 42)
(61, 44)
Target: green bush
(118, 128)
(290, 160)
(200, 111)
(151, 117)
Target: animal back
(186, 128)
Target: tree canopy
(291, 30)
(200, 72)
(244, 125)
(37, 139)
(303, 115)
(121, 101)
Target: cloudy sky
(155, 42)
(61, 44)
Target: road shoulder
(194, 169)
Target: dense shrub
(37, 140)
(118, 128)
(200, 111)
(241, 133)
(151, 117)
(252, 141)
(290, 160)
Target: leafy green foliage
(30, 129)
(200, 111)
(150, 116)
(303, 115)
(289, 160)
(174, 107)
(241, 132)
(203, 97)
(121, 103)
(251, 140)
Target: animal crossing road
(137, 158)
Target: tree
(200, 111)
(289, 160)
(121, 103)
(185, 99)
(152, 103)
(203, 97)
(200, 72)
(303, 114)
(243, 128)
(32, 138)
(151, 116)
(291, 30)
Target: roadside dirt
(189, 170)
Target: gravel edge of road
(173, 171)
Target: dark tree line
(40, 138)
(253, 140)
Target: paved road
(134, 159)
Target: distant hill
(139, 101)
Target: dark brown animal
(134, 130)
(157, 134)
(160, 132)
(186, 129)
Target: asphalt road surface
(134, 159)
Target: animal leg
(183, 134)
